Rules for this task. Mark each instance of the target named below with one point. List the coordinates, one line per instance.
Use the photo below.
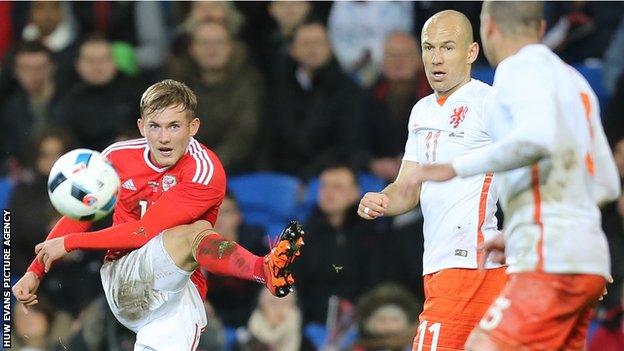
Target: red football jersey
(195, 184)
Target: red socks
(224, 257)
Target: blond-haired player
(554, 167)
(458, 214)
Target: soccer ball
(83, 185)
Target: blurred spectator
(187, 15)
(387, 319)
(403, 252)
(613, 226)
(98, 330)
(613, 119)
(581, 29)
(192, 13)
(315, 112)
(341, 253)
(6, 30)
(610, 334)
(232, 298)
(104, 104)
(43, 328)
(29, 111)
(392, 98)
(30, 196)
(613, 64)
(230, 94)
(357, 30)
(76, 280)
(272, 51)
(138, 23)
(275, 324)
(51, 23)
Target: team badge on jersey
(458, 115)
(168, 181)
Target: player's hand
(373, 205)
(437, 172)
(25, 288)
(495, 248)
(50, 251)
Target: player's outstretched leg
(198, 244)
(279, 279)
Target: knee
(197, 230)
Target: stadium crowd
(317, 91)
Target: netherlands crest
(458, 115)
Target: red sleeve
(63, 227)
(182, 204)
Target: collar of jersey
(454, 95)
(149, 162)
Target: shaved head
(515, 17)
(452, 20)
(448, 51)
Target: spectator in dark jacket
(104, 104)
(230, 93)
(315, 110)
(30, 110)
(340, 256)
(391, 100)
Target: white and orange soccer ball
(83, 185)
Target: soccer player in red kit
(172, 187)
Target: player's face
(446, 55)
(168, 133)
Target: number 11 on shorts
(434, 329)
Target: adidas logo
(129, 184)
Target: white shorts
(153, 297)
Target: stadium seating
(6, 188)
(266, 199)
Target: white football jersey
(458, 214)
(541, 108)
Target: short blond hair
(168, 93)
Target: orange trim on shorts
(487, 181)
(537, 215)
(441, 100)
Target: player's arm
(182, 204)
(532, 130)
(397, 198)
(63, 227)
(605, 172)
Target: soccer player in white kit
(459, 214)
(554, 166)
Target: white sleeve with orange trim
(530, 133)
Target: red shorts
(539, 311)
(455, 301)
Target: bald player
(458, 214)
(555, 168)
